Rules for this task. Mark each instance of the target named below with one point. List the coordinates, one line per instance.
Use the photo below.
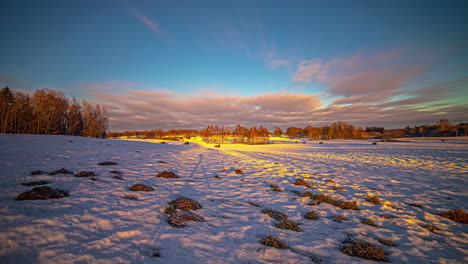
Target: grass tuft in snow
(308, 194)
(272, 241)
(35, 183)
(338, 188)
(387, 242)
(387, 216)
(180, 219)
(275, 214)
(289, 225)
(368, 222)
(373, 199)
(141, 188)
(170, 210)
(431, 228)
(37, 172)
(312, 215)
(415, 205)
(185, 204)
(42, 193)
(457, 215)
(167, 174)
(61, 171)
(339, 218)
(362, 249)
(107, 163)
(85, 174)
(319, 198)
(274, 187)
(131, 197)
(303, 183)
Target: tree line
(250, 135)
(338, 130)
(49, 112)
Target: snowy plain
(95, 224)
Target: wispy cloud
(148, 22)
(360, 78)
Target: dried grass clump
(85, 174)
(303, 183)
(185, 204)
(362, 249)
(42, 193)
(289, 225)
(373, 199)
(323, 198)
(388, 216)
(308, 194)
(319, 198)
(131, 197)
(431, 228)
(107, 163)
(368, 222)
(275, 214)
(339, 218)
(272, 241)
(457, 215)
(168, 175)
(274, 187)
(35, 183)
(37, 172)
(387, 242)
(61, 171)
(338, 188)
(170, 210)
(141, 188)
(180, 219)
(415, 205)
(312, 215)
(347, 205)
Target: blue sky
(341, 55)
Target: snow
(95, 224)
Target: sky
(189, 64)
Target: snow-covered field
(95, 224)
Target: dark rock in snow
(35, 183)
(180, 219)
(140, 187)
(42, 193)
(61, 171)
(107, 163)
(167, 174)
(38, 172)
(85, 174)
(185, 204)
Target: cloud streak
(360, 78)
(148, 22)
